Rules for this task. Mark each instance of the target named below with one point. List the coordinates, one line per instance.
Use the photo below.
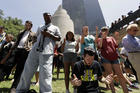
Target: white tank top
(70, 47)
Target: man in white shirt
(41, 55)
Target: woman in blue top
(87, 40)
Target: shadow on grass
(54, 79)
(4, 90)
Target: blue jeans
(34, 60)
(103, 60)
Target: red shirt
(108, 50)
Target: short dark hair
(73, 39)
(30, 22)
(90, 51)
(46, 13)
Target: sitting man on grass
(87, 72)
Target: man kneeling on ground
(87, 72)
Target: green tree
(12, 25)
(1, 13)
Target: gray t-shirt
(48, 45)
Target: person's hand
(78, 41)
(83, 34)
(109, 79)
(76, 81)
(55, 54)
(64, 40)
(97, 30)
(46, 34)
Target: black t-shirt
(5, 49)
(89, 76)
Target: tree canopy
(12, 25)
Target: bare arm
(55, 38)
(100, 43)
(63, 45)
(96, 37)
(77, 45)
(107, 80)
(124, 56)
(75, 81)
(82, 39)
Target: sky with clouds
(33, 9)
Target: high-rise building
(84, 12)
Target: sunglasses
(135, 30)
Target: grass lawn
(58, 85)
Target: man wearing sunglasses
(132, 44)
(41, 55)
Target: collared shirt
(48, 44)
(123, 51)
(23, 39)
(131, 43)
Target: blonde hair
(131, 26)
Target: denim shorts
(69, 57)
(103, 60)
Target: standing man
(41, 55)
(132, 45)
(23, 45)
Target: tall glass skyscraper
(84, 12)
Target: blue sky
(33, 9)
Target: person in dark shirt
(87, 72)
(5, 48)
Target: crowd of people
(91, 58)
